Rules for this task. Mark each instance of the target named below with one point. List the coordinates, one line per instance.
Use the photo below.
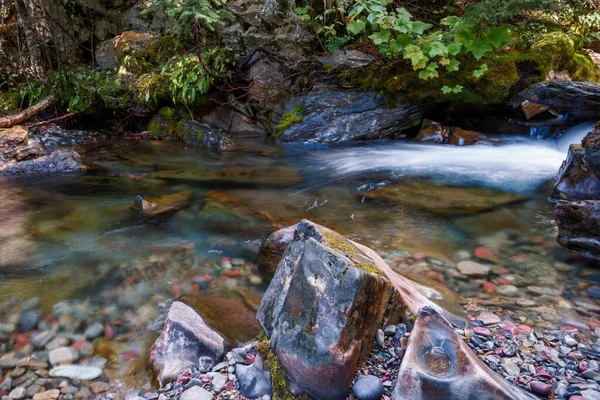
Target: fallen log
(25, 115)
(53, 120)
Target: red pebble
(471, 318)
(184, 379)
(542, 373)
(233, 273)
(3, 392)
(130, 355)
(109, 332)
(228, 386)
(509, 330)
(78, 344)
(569, 329)
(435, 276)
(204, 378)
(504, 281)
(250, 358)
(489, 287)
(175, 290)
(485, 254)
(524, 328)
(583, 366)
(480, 330)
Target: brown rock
(12, 137)
(47, 395)
(463, 137)
(28, 152)
(432, 132)
(531, 109)
(159, 205)
(272, 249)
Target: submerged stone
(279, 176)
(576, 178)
(183, 340)
(579, 226)
(450, 200)
(439, 364)
(153, 206)
(81, 372)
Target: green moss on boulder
(288, 119)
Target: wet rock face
(184, 339)
(321, 311)
(577, 192)
(579, 225)
(344, 116)
(439, 364)
(272, 249)
(60, 161)
(580, 99)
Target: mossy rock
(294, 116)
(508, 72)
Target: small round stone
(368, 387)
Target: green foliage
(188, 76)
(191, 19)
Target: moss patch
(294, 116)
(10, 101)
(337, 242)
(278, 383)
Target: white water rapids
(515, 165)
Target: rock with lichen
(321, 311)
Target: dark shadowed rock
(12, 137)
(576, 178)
(438, 364)
(344, 116)
(183, 340)
(580, 99)
(206, 135)
(579, 226)
(272, 250)
(23, 153)
(321, 311)
(60, 161)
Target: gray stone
(184, 339)
(94, 331)
(541, 290)
(368, 388)
(511, 366)
(18, 393)
(218, 381)
(81, 372)
(507, 291)
(29, 320)
(347, 59)
(205, 364)
(489, 318)
(63, 355)
(380, 338)
(60, 161)
(196, 393)
(345, 116)
(254, 379)
(472, 268)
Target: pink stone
(524, 328)
(569, 329)
(488, 287)
(485, 254)
(480, 330)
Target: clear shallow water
(75, 237)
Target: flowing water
(75, 237)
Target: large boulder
(577, 193)
(579, 99)
(438, 363)
(322, 310)
(327, 298)
(184, 339)
(327, 117)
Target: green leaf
(478, 73)
(356, 27)
(457, 89)
(416, 56)
(380, 37)
(454, 48)
(478, 48)
(450, 21)
(453, 65)
(398, 44)
(498, 36)
(403, 15)
(429, 72)
(444, 62)
(438, 49)
(419, 27)
(446, 90)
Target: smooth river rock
(183, 340)
(438, 364)
(81, 372)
